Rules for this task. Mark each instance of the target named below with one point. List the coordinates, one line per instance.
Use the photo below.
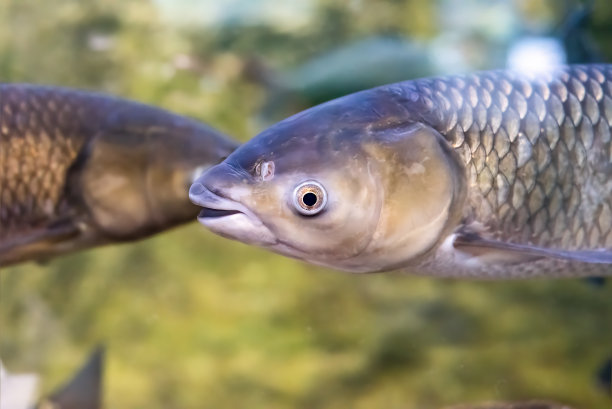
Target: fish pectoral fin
(494, 251)
(17, 248)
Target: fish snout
(213, 205)
(196, 192)
(205, 189)
(227, 217)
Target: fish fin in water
(494, 251)
(84, 390)
(15, 249)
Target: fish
(488, 175)
(535, 404)
(80, 169)
(340, 71)
(83, 390)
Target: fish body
(79, 169)
(496, 174)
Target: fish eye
(309, 198)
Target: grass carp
(79, 169)
(496, 174)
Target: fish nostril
(196, 189)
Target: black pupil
(310, 199)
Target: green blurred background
(192, 320)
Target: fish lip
(215, 205)
(228, 217)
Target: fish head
(288, 198)
(337, 185)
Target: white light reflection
(18, 391)
(536, 54)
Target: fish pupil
(309, 199)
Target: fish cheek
(266, 200)
(343, 229)
(420, 185)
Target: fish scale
(41, 134)
(536, 149)
(537, 153)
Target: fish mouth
(229, 218)
(208, 212)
